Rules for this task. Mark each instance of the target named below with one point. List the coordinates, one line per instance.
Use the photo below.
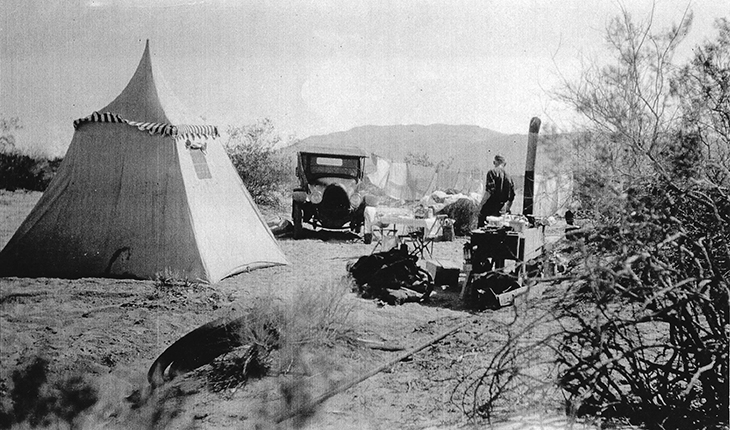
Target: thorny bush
(649, 312)
(639, 330)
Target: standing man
(499, 192)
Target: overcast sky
(313, 67)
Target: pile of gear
(393, 277)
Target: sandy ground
(110, 331)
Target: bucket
(448, 230)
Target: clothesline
(411, 182)
(400, 180)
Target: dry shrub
(171, 285)
(649, 312)
(232, 370)
(275, 336)
(38, 401)
(646, 314)
(259, 332)
(29, 172)
(313, 317)
(289, 337)
(317, 315)
(639, 333)
(520, 372)
(170, 279)
(263, 170)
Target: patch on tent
(200, 164)
(151, 127)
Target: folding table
(420, 232)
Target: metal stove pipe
(529, 191)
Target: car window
(328, 161)
(331, 166)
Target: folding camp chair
(422, 238)
(387, 237)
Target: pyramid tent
(142, 193)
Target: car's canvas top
(346, 151)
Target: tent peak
(148, 98)
(139, 101)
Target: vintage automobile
(330, 190)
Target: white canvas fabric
(133, 203)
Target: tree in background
(629, 111)
(19, 170)
(423, 159)
(252, 149)
(7, 137)
(418, 159)
(703, 90)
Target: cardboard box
(508, 298)
(444, 272)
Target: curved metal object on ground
(197, 348)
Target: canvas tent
(141, 193)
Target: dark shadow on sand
(325, 235)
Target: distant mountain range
(465, 147)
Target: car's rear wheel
(297, 215)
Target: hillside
(469, 146)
